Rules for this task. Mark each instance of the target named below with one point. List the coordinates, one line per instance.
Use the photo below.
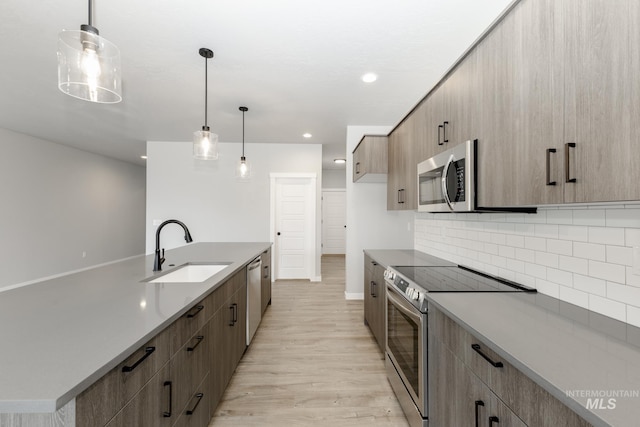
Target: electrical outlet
(636, 260)
(84, 254)
(409, 226)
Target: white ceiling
(295, 63)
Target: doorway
(294, 227)
(333, 221)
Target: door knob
(278, 233)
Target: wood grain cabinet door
(602, 90)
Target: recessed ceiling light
(339, 161)
(369, 78)
(307, 135)
(143, 157)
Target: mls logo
(600, 403)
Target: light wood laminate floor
(312, 362)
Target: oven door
(407, 346)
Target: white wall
(206, 196)
(58, 202)
(369, 224)
(334, 178)
(579, 254)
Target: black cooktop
(457, 279)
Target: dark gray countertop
(61, 335)
(405, 257)
(573, 353)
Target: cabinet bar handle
(549, 151)
(192, 410)
(444, 132)
(147, 353)
(476, 348)
(372, 287)
(440, 127)
(478, 404)
(567, 164)
(167, 414)
(357, 167)
(231, 321)
(235, 312)
(197, 309)
(493, 419)
(266, 272)
(199, 339)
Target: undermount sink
(190, 273)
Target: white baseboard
(316, 279)
(353, 295)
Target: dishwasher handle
(256, 263)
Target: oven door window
(403, 340)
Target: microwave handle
(445, 172)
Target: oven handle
(445, 190)
(400, 305)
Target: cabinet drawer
(190, 365)
(534, 405)
(153, 406)
(198, 411)
(190, 322)
(102, 400)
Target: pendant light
(243, 171)
(205, 143)
(89, 65)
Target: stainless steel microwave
(446, 182)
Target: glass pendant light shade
(89, 66)
(243, 171)
(205, 144)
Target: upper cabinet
(370, 159)
(402, 178)
(551, 94)
(558, 100)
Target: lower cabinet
(470, 385)
(374, 301)
(178, 377)
(265, 290)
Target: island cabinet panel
(265, 282)
(180, 382)
(464, 370)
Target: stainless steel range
(407, 326)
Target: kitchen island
(61, 335)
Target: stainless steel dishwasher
(254, 297)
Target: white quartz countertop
(59, 336)
(573, 353)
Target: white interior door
(294, 228)
(334, 222)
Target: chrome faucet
(157, 263)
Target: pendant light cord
(242, 133)
(90, 14)
(206, 90)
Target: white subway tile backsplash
(589, 251)
(547, 259)
(623, 218)
(573, 264)
(574, 296)
(594, 217)
(633, 315)
(608, 307)
(619, 255)
(574, 233)
(579, 254)
(606, 235)
(560, 277)
(560, 247)
(623, 293)
(590, 285)
(603, 270)
(535, 243)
